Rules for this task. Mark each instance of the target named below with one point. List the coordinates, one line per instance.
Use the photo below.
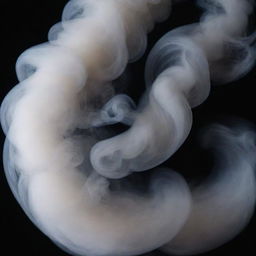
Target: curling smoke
(68, 180)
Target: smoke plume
(72, 176)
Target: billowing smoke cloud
(72, 177)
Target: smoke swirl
(71, 176)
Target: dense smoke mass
(96, 192)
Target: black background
(26, 23)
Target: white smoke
(69, 180)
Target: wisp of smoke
(71, 177)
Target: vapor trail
(72, 184)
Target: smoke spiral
(62, 175)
